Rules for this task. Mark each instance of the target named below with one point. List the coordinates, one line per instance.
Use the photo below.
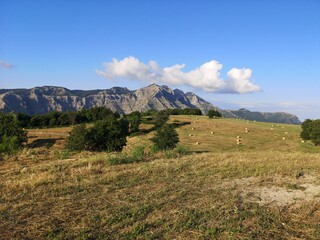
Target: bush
(214, 113)
(135, 121)
(8, 144)
(315, 132)
(106, 135)
(161, 118)
(165, 138)
(306, 129)
(11, 134)
(78, 138)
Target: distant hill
(40, 100)
(276, 117)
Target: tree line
(108, 133)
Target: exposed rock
(40, 100)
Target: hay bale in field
(271, 129)
(193, 128)
(197, 143)
(212, 133)
(238, 137)
(302, 141)
(285, 132)
(190, 135)
(283, 138)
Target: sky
(260, 55)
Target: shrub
(214, 113)
(8, 144)
(165, 138)
(10, 127)
(315, 132)
(78, 138)
(108, 135)
(135, 121)
(306, 129)
(161, 118)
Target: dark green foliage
(78, 138)
(23, 119)
(165, 138)
(135, 121)
(174, 111)
(306, 129)
(106, 135)
(214, 113)
(8, 145)
(9, 127)
(315, 132)
(311, 131)
(53, 119)
(185, 111)
(161, 118)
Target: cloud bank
(206, 77)
(6, 64)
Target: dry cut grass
(267, 188)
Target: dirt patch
(279, 191)
(284, 197)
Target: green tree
(306, 129)
(78, 138)
(108, 134)
(214, 113)
(11, 132)
(165, 138)
(161, 118)
(135, 121)
(315, 132)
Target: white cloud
(206, 77)
(240, 80)
(6, 64)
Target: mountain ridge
(40, 100)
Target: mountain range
(40, 100)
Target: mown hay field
(264, 188)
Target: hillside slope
(41, 100)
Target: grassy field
(265, 188)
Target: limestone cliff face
(41, 100)
(45, 99)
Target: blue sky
(262, 55)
